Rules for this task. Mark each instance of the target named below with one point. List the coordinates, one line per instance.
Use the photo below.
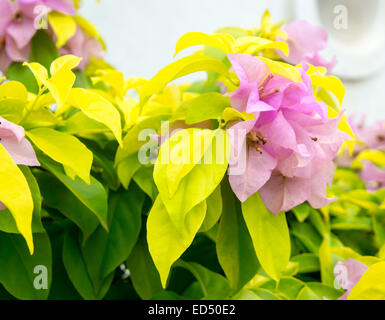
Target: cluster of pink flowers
(18, 21)
(305, 42)
(286, 153)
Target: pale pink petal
(280, 133)
(14, 52)
(64, 6)
(237, 137)
(321, 178)
(248, 68)
(348, 274)
(5, 16)
(283, 194)
(257, 171)
(5, 61)
(9, 129)
(21, 152)
(303, 39)
(21, 32)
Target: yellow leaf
(223, 42)
(251, 45)
(13, 90)
(344, 126)
(62, 78)
(97, 108)
(179, 69)
(65, 149)
(230, 114)
(113, 78)
(371, 285)
(15, 194)
(63, 25)
(330, 83)
(282, 69)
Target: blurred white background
(141, 36)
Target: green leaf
(302, 211)
(145, 278)
(43, 49)
(144, 179)
(307, 263)
(288, 287)
(65, 149)
(234, 245)
(214, 286)
(103, 252)
(318, 291)
(165, 242)
(93, 196)
(57, 196)
(77, 270)
(205, 107)
(325, 257)
(127, 168)
(17, 266)
(18, 72)
(270, 235)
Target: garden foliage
(104, 183)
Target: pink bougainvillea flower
(13, 139)
(368, 137)
(305, 42)
(16, 30)
(286, 152)
(84, 46)
(373, 176)
(17, 26)
(348, 274)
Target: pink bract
(347, 274)
(305, 42)
(13, 139)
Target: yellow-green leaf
(191, 39)
(62, 78)
(15, 194)
(207, 174)
(251, 45)
(178, 69)
(97, 108)
(282, 69)
(165, 242)
(270, 235)
(65, 149)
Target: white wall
(141, 36)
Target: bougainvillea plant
(225, 188)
